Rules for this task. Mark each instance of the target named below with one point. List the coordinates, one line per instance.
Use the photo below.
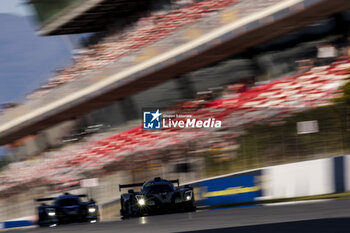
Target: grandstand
(161, 58)
(268, 102)
(218, 41)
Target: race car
(156, 196)
(66, 208)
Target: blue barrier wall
(16, 224)
(339, 174)
(237, 188)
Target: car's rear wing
(45, 199)
(53, 198)
(175, 182)
(121, 186)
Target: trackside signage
(165, 120)
(231, 189)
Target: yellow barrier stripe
(231, 191)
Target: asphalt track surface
(320, 216)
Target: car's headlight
(92, 209)
(188, 195)
(51, 212)
(140, 200)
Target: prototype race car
(66, 208)
(156, 196)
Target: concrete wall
(299, 179)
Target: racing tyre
(190, 208)
(126, 210)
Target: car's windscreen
(68, 202)
(158, 188)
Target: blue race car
(156, 196)
(66, 208)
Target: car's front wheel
(190, 208)
(126, 210)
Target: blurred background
(76, 74)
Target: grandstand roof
(112, 86)
(87, 16)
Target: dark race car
(156, 196)
(66, 208)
